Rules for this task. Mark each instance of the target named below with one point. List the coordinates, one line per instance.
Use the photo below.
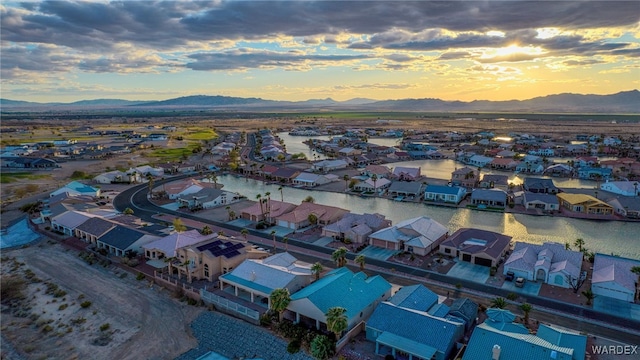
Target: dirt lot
(127, 318)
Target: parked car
(510, 276)
(520, 282)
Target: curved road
(549, 310)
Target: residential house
(76, 188)
(480, 247)
(182, 188)
(585, 161)
(404, 325)
(529, 168)
(504, 163)
(356, 227)
(147, 170)
(399, 156)
(92, 229)
(583, 203)
(465, 309)
(299, 217)
(372, 186)
(491, 181)
(561, 170)
(349, 151)
(493, 198)
(266, 211)
(624, 188)
(28, 163)
(542, 201)
(310, 179)
(625, 206)
(121, 240)
(285, 175)
(540, 185)
(206, 260)
(547, 152)
(378, 170)
(419, 235)
(117, 176)
(68, 221)
(612, 277)
(445, 194)
(479, 161)
(591, 173)
(329, 165)
(500, 338)
(549, 263)
(259, 277)
(165, 248)
(411, 189)
(358, 293)
(207, 198)
(403, 173)
(465, 177)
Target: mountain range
(625, 102)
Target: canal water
(620, 238)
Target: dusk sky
(62, 51)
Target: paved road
(547, 310)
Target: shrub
(512, 296)
(12, 288)
(63, 306)
(47, 328)
(78, 321)
(105, 327)
(294, 346)
(85, 304)
(140, 276)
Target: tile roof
(416, 297)
(323, 212)
(616, 269)
(422, 231)
(96, 226)
(526, 257)
(475, 241)
(72, 219)
(489, 194)
(275, 208)
(341, 287)
(465, 309)
(121, 237)
(413, 187)
(169, 244)
(350, 221)
(541, 197)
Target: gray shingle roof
(121, 237)
(96, 226)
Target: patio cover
(407, 345)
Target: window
(206, 270)
(447, 250)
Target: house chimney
(495, 355)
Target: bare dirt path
(146, 322)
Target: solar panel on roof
(209, 245)
(231, 254)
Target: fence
(230, 307)
(175, 285)
(350, 335)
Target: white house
(329, 165)
(445, 194)
(549, 263)
(612, 277)
(310, 179)
(407, 173)
(370, 186)
(165, 247)
(68, 221)
(624, 188)
(419, 235)
(479, 160)
(183, 188)
(207, 198)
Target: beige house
(480, 247)
(466, 177)
(208, 259)
(300, 217)
(267, 212)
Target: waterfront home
(259, 277)
(404, 324)
(549, 263)
(372, 186)
(612, 277)
(504, 163)
(419, 235)
(411, 189)
(165, 248)
(207, 198)
(445, 194)
(285, 175)
(542, 152)
(590, 173)
(307, 179)
(76, 188)
(265, 170)
(68, 221)
(500, 338)
(540, 185)
(379, 170)
(208, 259)
(465, 310)
(356, 227)
(491, 181)
(480, 247)
(267, 211)
(479, 160)
(492, 198)
(93, 228)
(625, 206)
(182, 188)
(466, 177)
(399, 156)
(585, 204)
(349, 151)
(544, 202)
(404, 173)
(356, 293)
(624, 188)
(121, 239)
(529, 168)
(300, 216)
(330, 165)
(559, 170)
(585, 161)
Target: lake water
(620, 238)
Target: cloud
(585, 62)
(242, 59)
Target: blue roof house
(356, 293)
(407, 324)
(500, 338)
(76, 188)
(444, 194)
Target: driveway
(471, 272)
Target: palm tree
(259, 198)
(316, 269)
(313, 219)
(339, 256)
(567, 246)
(281, 194)
(206, 230)
(275, 246)
(374, 178)
(285, 240)
(178, 225)
(589, 295)
(526, 308)
(360, 261)
(337, 321)
(244, 233)
(322, 348)
(213, 177)
(579, 243)
(499, 303)
(150, 183)
(346, 182)
(279, 300)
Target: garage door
(483, 262)
(466, 257)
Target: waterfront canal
(617, 237)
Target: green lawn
(8, 177)
(176, 154)
(200, 134)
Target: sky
(64, 51)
